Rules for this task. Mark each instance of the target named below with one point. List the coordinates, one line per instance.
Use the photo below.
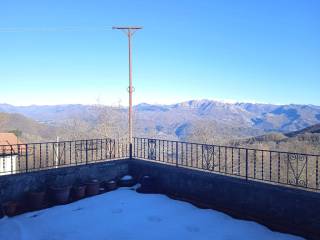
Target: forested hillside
(286, 127)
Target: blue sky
(234, 50)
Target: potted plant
(78, 192)
(103, 187)
(111, 185)
(60, 195)
(1, 212)
(10, 208)
(126, 181)
(92, 187)
(147, 185)
(36, 199)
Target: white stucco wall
(8, 164)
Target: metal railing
(20, 158)
(285, 168)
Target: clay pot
(10, 208)
(78, 192)
(111, 185)
(92, 187)
(1, 213)
(36, 199)
(126, 181)
(60, 195)
(103, 187)
(147, 185)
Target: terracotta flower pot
(147, 185)
(1, 213)
(126, 181)
(36, 199)
(111, 185)
(10, 208)
(60, 195)
(92, 187)
(78, 192)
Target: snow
(126, 214)
(126, 178)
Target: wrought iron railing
(20, 158)
(285, 168)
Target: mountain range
(183, 120)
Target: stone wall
(280, 208)
(14, 187)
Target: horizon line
(225, 101)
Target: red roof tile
(8, 143)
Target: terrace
(277, 189)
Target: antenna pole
(129, 31)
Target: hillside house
(9, 152)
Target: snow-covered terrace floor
(126, 214)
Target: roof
(8, 143)
(9, 139)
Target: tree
(16, 132)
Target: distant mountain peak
(262, 117)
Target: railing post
(246, 164)
(86, 151)
(11, 152)
(177, 154)
(130, 151)
(26, 157)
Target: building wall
(15, 187)
(280, 208)
(8, 164)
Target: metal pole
(129, 31)
(57, 153)
(130, 89)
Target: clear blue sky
(243, 50)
